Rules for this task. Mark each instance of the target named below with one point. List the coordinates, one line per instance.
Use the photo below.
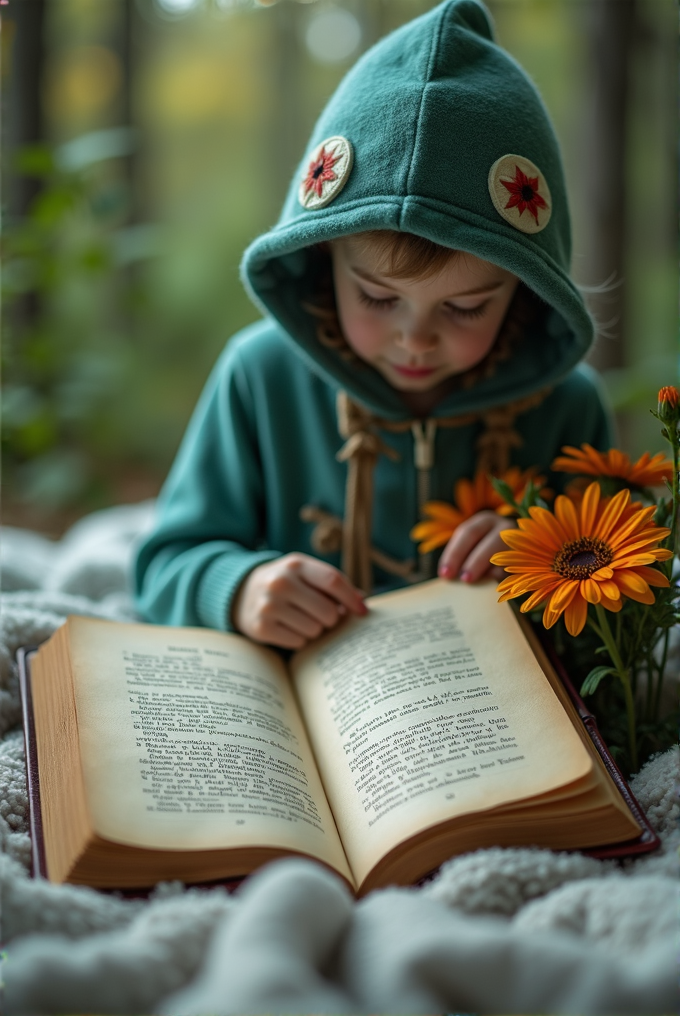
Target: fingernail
(445, 572)
(465, 576)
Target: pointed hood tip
(466, 187)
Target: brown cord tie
(360, 451)
(326, 538)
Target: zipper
(424, 434)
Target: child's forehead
(369, 259)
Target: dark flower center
(580, 558)
(317, 171)
(527, 192)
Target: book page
(433, 706)
(191, 739)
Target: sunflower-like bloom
(596, 552)
(470, 497)
(648, 471)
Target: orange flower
(596, 552)
(670, 395)
(470, 497)
(667, 409)
(648, 471)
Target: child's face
(419, 332)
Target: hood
(435, 131)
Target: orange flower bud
(669, 396)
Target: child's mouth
(413, 371)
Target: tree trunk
(22, 99)
(611, 41)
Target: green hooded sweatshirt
(437, 132)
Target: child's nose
(417, 339)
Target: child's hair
(406, 256)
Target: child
(420, 324)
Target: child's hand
(467, 553)
(290, 601)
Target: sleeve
(585, 416)
(208, 533)
(590, 417)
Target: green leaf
(531, 499)
(593, 679)
(34, 160)
(504, 490)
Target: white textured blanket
(499, 931)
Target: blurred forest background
(146, 142)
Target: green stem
(613, 650)
(649, 690)
(659, 683)
(674, 440)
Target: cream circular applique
(327, 172)
(520, 193)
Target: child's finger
(299, 621)
(304, 597)
(333, 583)
(283, 637)
(463, 541)
(476, 565)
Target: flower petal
(611, 514)
(602, 573)
(652, 576)
(443, 511)
(634, 586)
(534, 600)
(575, 615)
(589, 506)
(565, 513)
(542, 517)
(564, 594)
(436, 541)
(591, 591)
(423, 530)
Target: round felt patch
(327, 172)
(520, 193)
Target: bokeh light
(333, 35)
(177, 8)
(90, 79)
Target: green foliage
(65, 353)
(593, 679)
(632, 710)
(530, 498)
(110, 330)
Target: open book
(430, 727)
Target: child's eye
(469, 312)
(371, 301)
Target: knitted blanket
(498, 931)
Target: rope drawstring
(360, 451)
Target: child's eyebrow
(490, 287)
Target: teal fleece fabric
(428, 111)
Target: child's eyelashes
(372, 301)
(469, 312)
(387, 302)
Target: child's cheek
(364, 334)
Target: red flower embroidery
(320, 170)
(524, 193)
